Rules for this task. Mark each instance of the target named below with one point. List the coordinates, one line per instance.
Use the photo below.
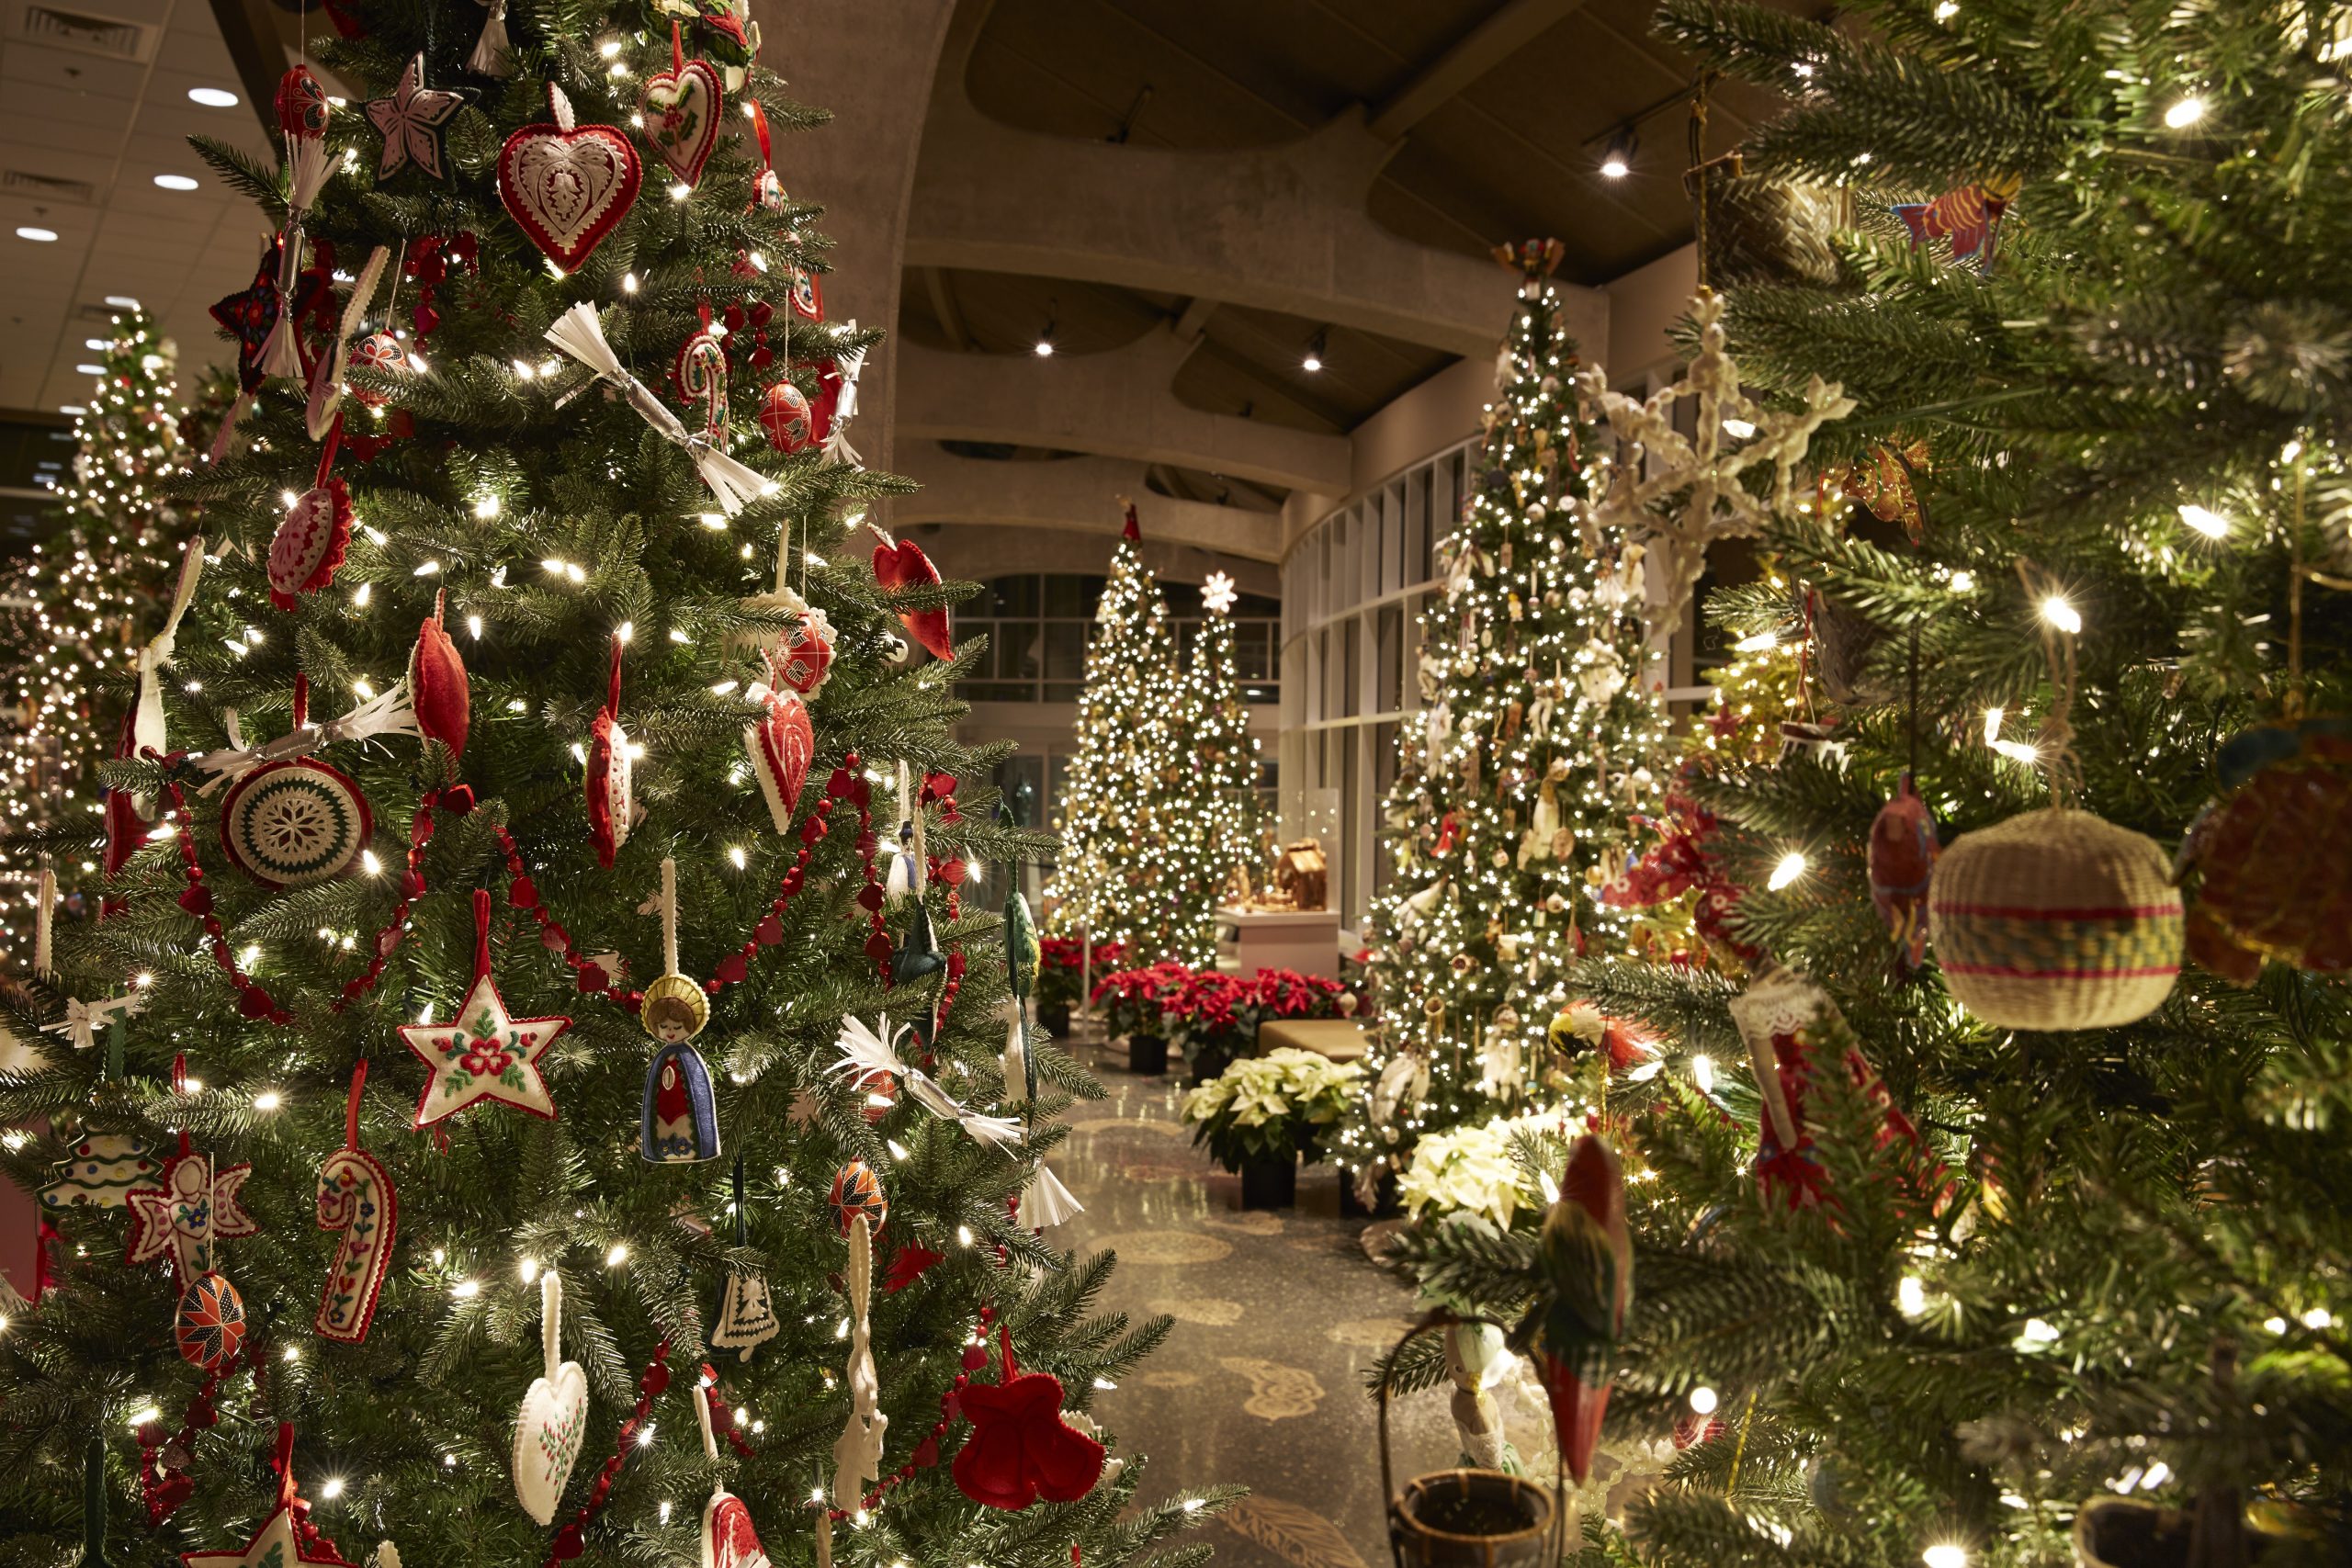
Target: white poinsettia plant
(1474, 1170)
(1270, 1107)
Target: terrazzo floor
(1278, 1317)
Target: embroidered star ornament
(250, 315)
(414, 121)
(287, 1538)
(484, 1054)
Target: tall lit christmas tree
(1995, 1218)
(507, 1117)
(1541, 725)
(73, 614)
(1223, 821)
(1132, 858)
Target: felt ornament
(252, 314)
(578, 334)
(782, 744)
(785, 415)
(857, 1452)
(148, 729)
(2056, 920)
(286, 1539)
(208, 1324)
(126, 829)
(484, 1053)
(1901, 859)
(302, 113)
(293, 820)
(870, 1055)
(100, 1171)
(857, 1195)
(193, 1207)
(901, 563)
(919, 954)
(1585, 1256)
(767, 188)
(2273, 855)
(683, 110)
(356, 1198)
(678, 1118)
(553, 1418)
(611, 800)
(1020, 1447)
(437, 689)
(806, 295)
(746, 1317)
(567, 186)
(729, 1539)
(414, 120)
(318, 416)
(309, 546)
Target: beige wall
(1643, 305)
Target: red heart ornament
(681, 118)
(782, 744)
(310, 543)
(901, 563)
(568, 186)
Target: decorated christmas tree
(1991, 1213)
(1133, 862)
(1542, 726)
(1223, 821)
(506, 1118)
(74, 611)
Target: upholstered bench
(1336, 1038)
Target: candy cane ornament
(702, 377)
(356, 1197)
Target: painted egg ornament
(293, 823)
(2056, 920)
(858, 1191)
(803, 654)
(785, 415)
(302, 107)
(310, 543)
(210, 1326)
(376, 351)
(2273, 857)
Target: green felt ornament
(94, 1508)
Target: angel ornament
(678, 1122)
(1683, 492)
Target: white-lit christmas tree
(1223, 824)
(1540, 730)
(1126, 873)
(73, 610)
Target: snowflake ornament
(1683, 492)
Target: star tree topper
(483, 1053)
(1685, 491)
(1218, 593)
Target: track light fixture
(1617, 160)
(1316, 348)
(1045, 348)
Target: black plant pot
(1268, 1184)
(1147, 1054)
(1384, 1206)
(1055, 1019)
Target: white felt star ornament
(484, 1053)
(414, 120)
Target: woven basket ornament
(2056, 920)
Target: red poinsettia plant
(1062, 967)
(1131, 1001)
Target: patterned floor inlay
(1278, 1316)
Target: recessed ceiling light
(90, 370)
(97, 342)
(122, 301)
(213, 97)
(177, 182)
(72, 408)
(44, 236)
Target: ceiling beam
(1511, 25)
(1194, 319)
(1281, 386)
(250, 29)
(943, 305)
(1077, 495)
